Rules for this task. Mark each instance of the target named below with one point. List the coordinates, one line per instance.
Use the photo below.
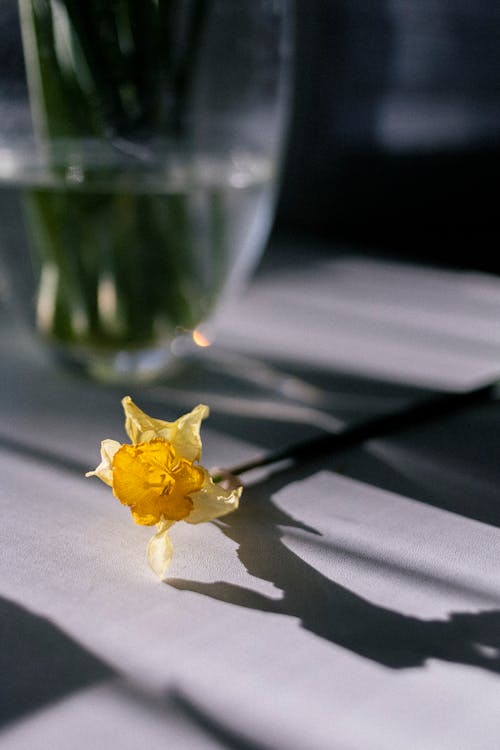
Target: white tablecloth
(351, 603)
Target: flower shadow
(333, 612)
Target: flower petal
(184, 433)
(154, 482)
(186, 436)
(139, 426)
(160, 550)
(105, 469)
(212, 501)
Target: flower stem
(378, 427)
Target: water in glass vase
(125, 260)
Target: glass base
(125, 367)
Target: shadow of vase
(39, 663)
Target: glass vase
(140, 151)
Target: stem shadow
(333, 612)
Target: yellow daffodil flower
(159, 478)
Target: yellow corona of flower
(159, 478)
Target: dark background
(395, 138)
(394, 144)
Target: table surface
(352, 602)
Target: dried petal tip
(105, 469)
(160, 551)
(184, 433)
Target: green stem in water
(121, 265)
